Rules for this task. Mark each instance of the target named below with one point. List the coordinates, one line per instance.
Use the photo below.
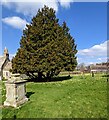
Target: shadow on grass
(54, 79)
(28, 94)
(105, 75)
(61, 78)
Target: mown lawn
(0, 101)
(77, 97)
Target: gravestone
(15, 92)
(92, 74)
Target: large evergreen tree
(45, 47)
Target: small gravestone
(92, 74)
(15, 91)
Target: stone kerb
(15, 91)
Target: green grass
(0, 100)
(77, 97)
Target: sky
(87, 22)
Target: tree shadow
(28, 94)
(54, 79)
(60, 78)
(107, 75)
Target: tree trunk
(48, 76)
(40, 76)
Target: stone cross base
(15, 93)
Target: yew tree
(46, 47)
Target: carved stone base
(16, 103)
(15, 93)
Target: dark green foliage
(45, 47)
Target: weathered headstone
(15, 92)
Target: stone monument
(15, 91)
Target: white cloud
(88, 60)
(15, 22)
(95, 54)
(102, 59)
(90, 0)
(30, 7)
(65, 3)
(11, 56)
(96, 50)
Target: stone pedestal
(15, 93)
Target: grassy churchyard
(76, 97)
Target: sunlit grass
(77, 97)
